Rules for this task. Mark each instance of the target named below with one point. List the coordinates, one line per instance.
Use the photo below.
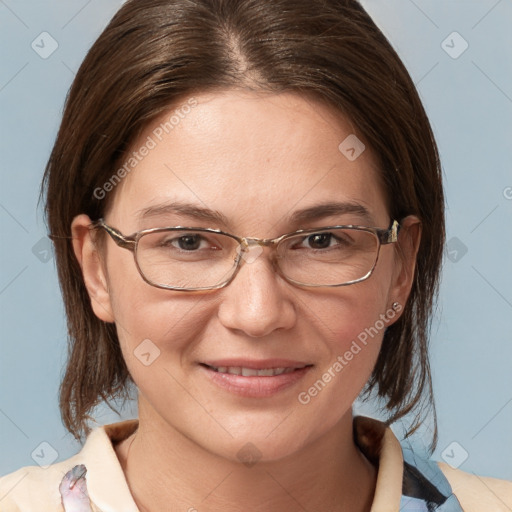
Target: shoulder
(476, 493)
(421, 483)
(33, 487)
(91, 478)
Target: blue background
(469, 101)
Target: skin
(256, 158)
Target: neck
(330, 474)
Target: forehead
(255, 158)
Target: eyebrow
(329, 210)
(204, 214)
(184, 209)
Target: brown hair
(156, 52)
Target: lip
(255, 386)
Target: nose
(258, 301)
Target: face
(256, 159)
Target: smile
(255, 379)
(252, 372)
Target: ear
(406, 251)
(93, 269)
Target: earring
(395, 306)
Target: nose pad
(251, 252)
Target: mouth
(253, 372)
(255, 378)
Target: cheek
(158, 333)
(350, 313)
(353, 323)
(148, 318)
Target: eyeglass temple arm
(390, 235)
(119, 239)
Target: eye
(185, 245)
(187, 242)
(324, 240)
(320, 240)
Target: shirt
(93, 480)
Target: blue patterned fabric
(425, 488)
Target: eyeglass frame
(384, 237)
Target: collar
(106, 483)
(410, 484)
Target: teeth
(249, 372)
(252, 372)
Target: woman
(247, 209)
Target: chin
(267, 441)
(250, 452)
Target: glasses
(191, 259)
